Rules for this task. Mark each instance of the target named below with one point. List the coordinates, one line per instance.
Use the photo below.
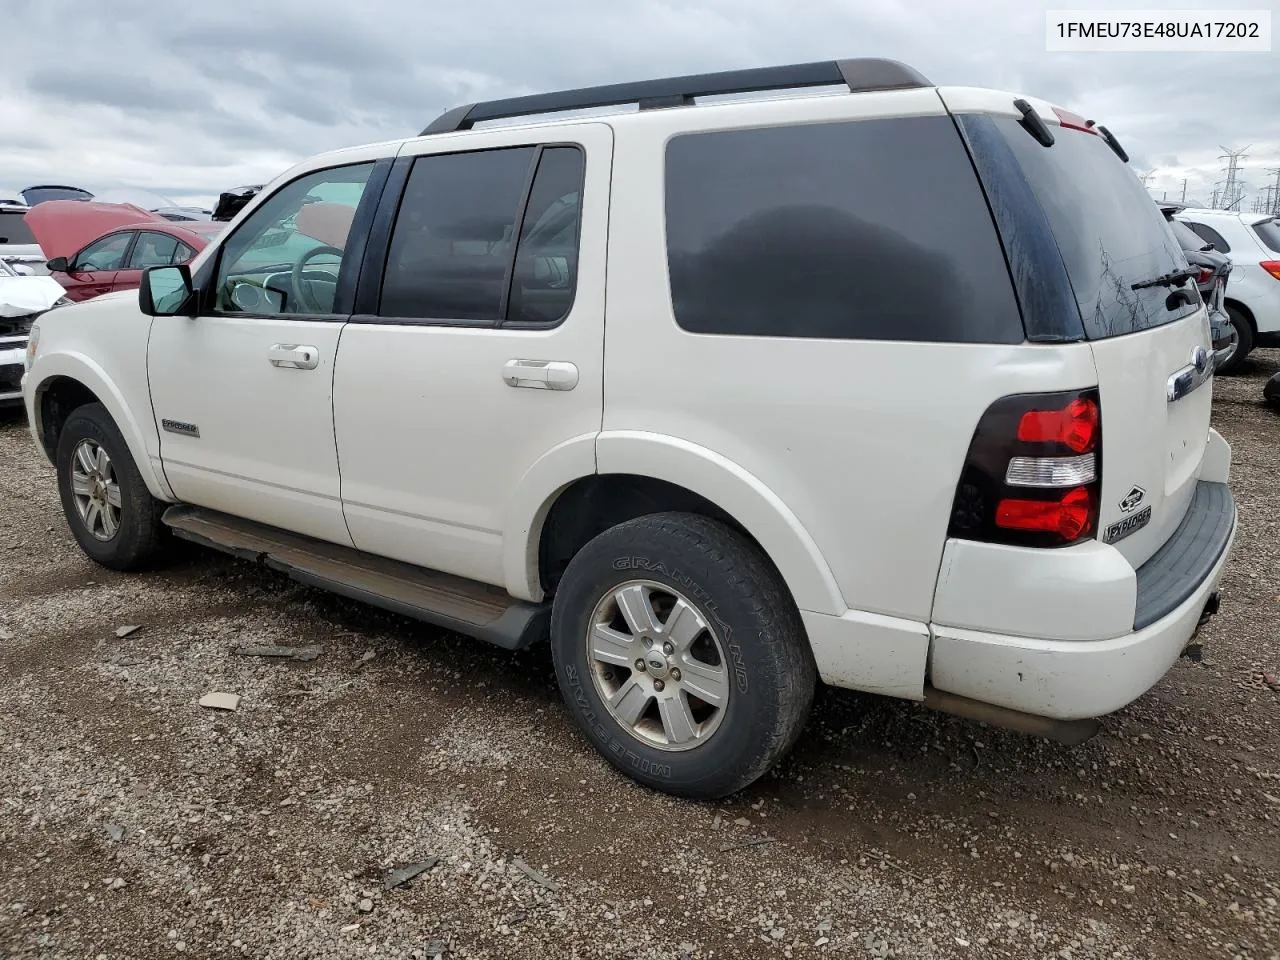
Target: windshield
(13, 228)
(6, 270)
(1107, 232)
(1269, 232)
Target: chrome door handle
(293, 356)
(1192, 376)
(540, 374)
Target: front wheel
(107, 505)
(681, 654)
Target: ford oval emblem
(1200, 359)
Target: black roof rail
(859, 75)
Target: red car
(95, 248)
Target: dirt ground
(134, 823)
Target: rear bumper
(1070, 679)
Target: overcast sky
(190, 98)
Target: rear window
(1107, 231)
(1210, 235)
(1269, 232)
(871, 229)
(13, 229)
(1187, 238)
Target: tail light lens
(1272, 267)
(1204, 276)
(1073, 121)
(1033, 473)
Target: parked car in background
(1252, 241)
(722, 399)
(95, 248)
(1212, 270)
(17, 242)
(23, 298)
(43, 193)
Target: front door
(93, 270)
(242, 393)
(151, 249)
(483, 353)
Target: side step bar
(475, 609)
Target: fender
(141, 438)
(685, 464)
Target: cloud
(197, 98)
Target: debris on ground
(365, 905)
(220, 701)
(400, 875)
(307, 653)
(124, 631)
(114, 831)
(537, 877)
(435, 949)
(5, 634)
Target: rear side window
(454, 255)
(1187, 238)
(152, 250)
(1268, 232)
(1210, 235)
(1108, 232)
(872, 229)
(13, 229)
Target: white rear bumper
(1067, 679)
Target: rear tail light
(1033, 473)
(1272, 267)
(1204, 276)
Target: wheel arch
(1244, 309)
(655, 473)
(66, 381)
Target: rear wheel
(1244, 341)
(107, 505)
(681, 654)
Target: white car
(724, 399)
(23, 298)
(1252, 241)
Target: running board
(475, 609)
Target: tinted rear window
(13, 229)
(1269, 232)
(872, 229)
(1105, 226)
(1210, 235)
(1187, 238)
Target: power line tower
(1231, 193)
(1273, 194)
(1146, 177)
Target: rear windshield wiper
(1175, 279)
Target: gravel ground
(134, 823)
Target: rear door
(477, 348)
(1150, 338)
(151, 249)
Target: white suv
(899, 387)
(1252, 241)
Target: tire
(1244, 341)
(137, 537)
(743, 617)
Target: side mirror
(59, 265)
(165, 291)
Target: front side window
(477, 240)
(287, 256)
(870, 229)
(1210, 235)
(105, 254)
(152, 250)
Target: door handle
(293, 356)
(540, 374)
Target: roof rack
(861, 76)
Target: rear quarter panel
(863, 441)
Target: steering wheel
(301, 294)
